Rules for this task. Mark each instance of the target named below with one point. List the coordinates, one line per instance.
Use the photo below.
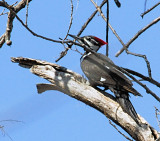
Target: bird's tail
(123, 100)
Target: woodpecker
(101, 71)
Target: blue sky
(54, 116)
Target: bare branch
(146, 60)
(69, 84)
(157, 113)
(2, 40)
(151, 80)
(27, 12)
(90, 18)
(119, 131)
(71, 19)
(11, 15)
(141, 84)
(107, 29)
(102, 15)
(142, 15)
(35, 34)
(3, 12)
(5, 133)
(137, 35)
(2, 127)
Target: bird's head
(92, 42)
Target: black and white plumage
(101, 71)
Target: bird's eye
(89, 39)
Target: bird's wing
(116, 74)
(96, 73)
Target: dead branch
(27, 13)
(66, 82)
(2, 13)
(145, 59)
(90, 18)
(35, 34)
(145, 78)
(157, 113)
(7, 35)
(141, 84)
(142, 15)
(71, 19)
(102, 15)
(119, 131)
(107, 29)
(137, 35)
(4, 132)
(2, 127)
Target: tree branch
(11, 15)
(102, 15)
(137, 35)
(141, 84)
(145, 78)
(107, 29)
(66, 81)
(150, 9)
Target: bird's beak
(75, 37)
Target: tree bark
(74, 85)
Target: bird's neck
(85, 55)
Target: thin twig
(14, 3)
(107, 29)
(90, 18)
(137, 35)
(2, 127)
(119, 130)
(27, 12)
(3, 12)
(145, 5)
(4, 132)
(146, 60)
(141, 84)
(63, 53)
(144, 78)
(71, 19)
(102, 15)
(145, 12)
(35, 34)
(11, 120)
(157, 112)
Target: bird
(101, 71)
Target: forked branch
(137, 35)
